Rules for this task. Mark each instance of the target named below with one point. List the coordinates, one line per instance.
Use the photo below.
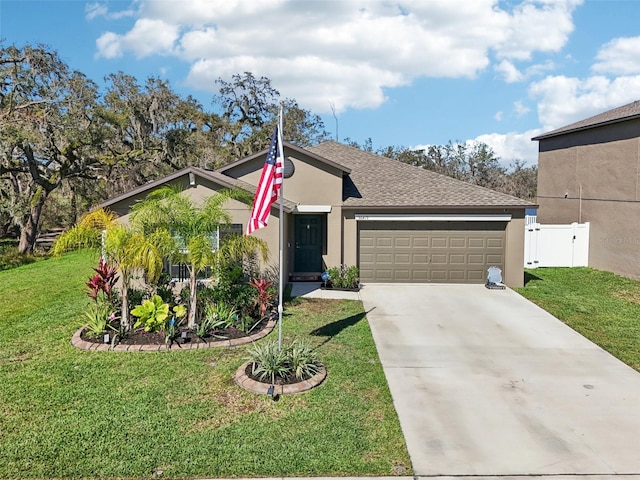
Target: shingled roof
(626, 112)
(377, 181)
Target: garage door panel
(420, 276)
(476, 259)
(402, 259)
(457, 242)
(420, 242)
(495, 243)
(420, 259)
(495, 259)
(477, 243)
(457, 259)
(382, 242)
(439, 242)
(402, 242)
(445, 252)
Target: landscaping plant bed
(138, 337)
(282, 385)
(328, 286)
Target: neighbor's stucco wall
(597, 183)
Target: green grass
(601, 306)
(67, 413)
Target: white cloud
(513, 146)
(498, 116)
(145, 38)
(520, 109)
(537, 26)
(564, 100)
(508, 71)
(93, 10)
(620, 56)
(97, 9)
(343, 52)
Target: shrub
(303, 360)
(97, 316)
(296, 360)
(344, 276)
(151, 314)
(269, 361)
(265, 295)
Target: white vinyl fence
(556, 245)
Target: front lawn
(602, 306)
(68, 413)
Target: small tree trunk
(193, 287)
(124, 296)
(29, 227)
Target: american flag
(268, 186)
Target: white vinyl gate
(556, 245)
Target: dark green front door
(308, 243)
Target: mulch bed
(278, 380)
(140, 337)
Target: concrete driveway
(486, 383)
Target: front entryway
(308, 243)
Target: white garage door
(442, 252)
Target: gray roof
(377, 181)
(626, 112)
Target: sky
(408, 73)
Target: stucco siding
(601, 182)
(615, 237)
(513, 274)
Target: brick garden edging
(78, 342)
(254, 386)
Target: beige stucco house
(589, 171)
(396, 222)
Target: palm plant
(87, 233)
(193, 229)
(128, 248)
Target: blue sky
(405, 73)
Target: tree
(50, 132)
(474, 163)
(193, 229)
(129, 249)
(250, 109)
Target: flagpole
(281, 235)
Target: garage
(430, 251)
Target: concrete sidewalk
(314, 290)
(487, 384)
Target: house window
(178, 272)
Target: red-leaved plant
(103, 281)
(265, 295)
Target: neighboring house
(589, 171)
(396, 222)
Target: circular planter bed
(244, 380)
(153, 342)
